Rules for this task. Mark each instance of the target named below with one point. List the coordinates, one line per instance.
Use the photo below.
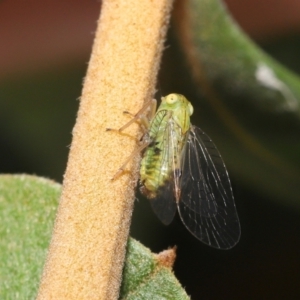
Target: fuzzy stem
(88, 245)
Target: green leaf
(27, 211)
(235, 65)
(146, 276)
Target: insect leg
(133, 154)
(145, 114)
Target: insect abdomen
(154, 171)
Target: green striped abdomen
(155, 170)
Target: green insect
(182, 170)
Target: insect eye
(191, 109)
(172, 98)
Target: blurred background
(45, 48)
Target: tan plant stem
(87, 250)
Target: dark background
(45, 47)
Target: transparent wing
(164, 205)
(206, 205)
